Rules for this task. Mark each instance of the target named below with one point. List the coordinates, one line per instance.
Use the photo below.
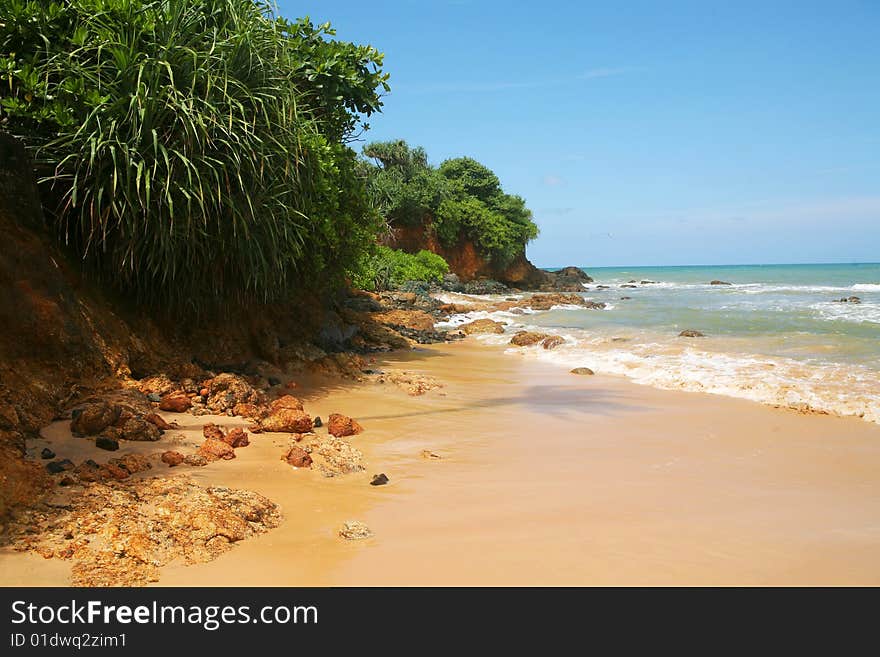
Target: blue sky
(647, 133)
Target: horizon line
(740, 264)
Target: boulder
(172, 458)
(212, 432)
(717, 282)
(226, 391)
(849, 300)
(552, 342)
(132, 463)
(63, 465)
(110, 444)
(287, 420)
(47, 453)
(582, 370)
(286, 401)
(94, 418)
(379, 480)
(213, 450)
(297, 457)
(195, 460)
(159, 422)
(176, 402)
(527, 338)
(691, 333)
(136, 428)
(237, 437)
(341, 425)
(482, 326)
(318, 422)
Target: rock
(154, 397)
(482, 326)
(110, 444)
(602, 287)
(132, 463)
(212, 432)
(47, 453)
(274, 381)
(226, 391)
(55, 467)
(114, 471)
(628, 285)
(286, 401)
(172, 458)
(485, 286)
(252, 411)
(67, 480)
(291, 385)
(691, 333)
(341, 425)
(353, 530)
(237, 437)
(567, 279)
(213, 450)
(195, 460)
(379, 480)
(625, 298)
(318, 422)
(297, 457)
(94, 418)
(849, 300)
(287, 420)
(552, 342)
(716, 282)
(582, 370)
(159, 422)
(648, 282)
(428, 454)
(135, 428)
(527, 338)
(176, 402)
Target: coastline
(549, 478)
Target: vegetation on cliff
(193, 150)
(460, 199)
(386, 268)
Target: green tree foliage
(386, 268)
(195, 148)
(459, 199)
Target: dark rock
(110, 444)
(602, 287)
(67, 481)
(154, 397)
(628, 285)
(379, 480)
(716, 282)
(452, 283)
(60, 466)
(274, 381)
(159, 422)
(691, 333)
(648, 282)
(318, 422)
(625, 298)
(849, 300)
(94, 418)
(582, 370)
(567, 279)
(485, 286)
(47, 453)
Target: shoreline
(549, 478)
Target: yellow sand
(550, 478)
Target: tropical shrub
(387, 268)
(193, 151)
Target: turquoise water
(777, 334)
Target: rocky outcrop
(527, 338)
(482, 326)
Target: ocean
(778, 334)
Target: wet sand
(549, 478)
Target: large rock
(717, 282)
(584, 371)
(226, 391)
(213, 450)
(237, 437)
(176, 402)
(94, 418)
(479, 326)
(172, 458)
(567, 279)
(527, 338)
(341, 425)
(297, 457)
(691, 333)
(288, 420)
(552, 342)
(286, 402)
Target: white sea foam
(867, 287)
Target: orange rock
(213, 450)
(115, 471)
(212, 432)
(552, 342)
(237, 437)
(290, 385)
(297, 457)
(158, 421)
(286, 401)
(172, 458)
(175, 403)
(287, 420)
(341, 425)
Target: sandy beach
(544, 478)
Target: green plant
(386, 268)
(193, 150)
